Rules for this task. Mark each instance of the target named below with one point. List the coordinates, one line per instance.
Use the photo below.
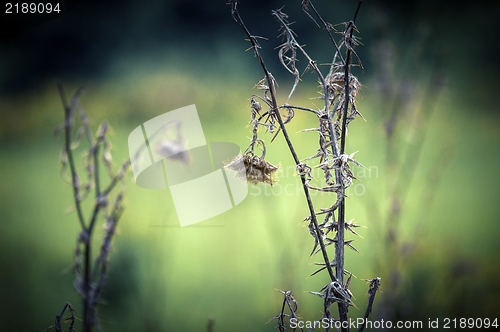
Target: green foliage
(163, 277)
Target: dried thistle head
(175, 150)
(336, 83)
(253, 168)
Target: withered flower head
(253, 168)
(175, 150)
(336, 83)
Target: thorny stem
(341, 217)
(94, 149)
(74, 180)
(339, 176)
(341, 222)
(296, 107)
(305, 4)
(281, 323)
(96, 171)
(339, 252)
(313, 64)
(337, 152)
(90, 290)
(372, 291)
(68, 118)
(116, 178)
(87, 310)
(255, 46)
(57, 326)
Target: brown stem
(274, 109)
(341, 217)
(372, 291)
(68, 119)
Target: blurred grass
(167, 278)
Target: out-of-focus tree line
(92, 35)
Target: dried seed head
(253, 168)
(255, 105)
(174, 150)
(336, 83)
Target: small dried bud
(101, 132)
(107, 158)
(174, 150)
(255, 105)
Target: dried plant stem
(308, 3)
(372, 291)
(90, 281)
(270, 82)
(68, 118)
(339, 246)
(339, 90)
(59, 319)
(341, 216)
(290, 302)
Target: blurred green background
(429, 205)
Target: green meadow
(427, 198)
(229, 268)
